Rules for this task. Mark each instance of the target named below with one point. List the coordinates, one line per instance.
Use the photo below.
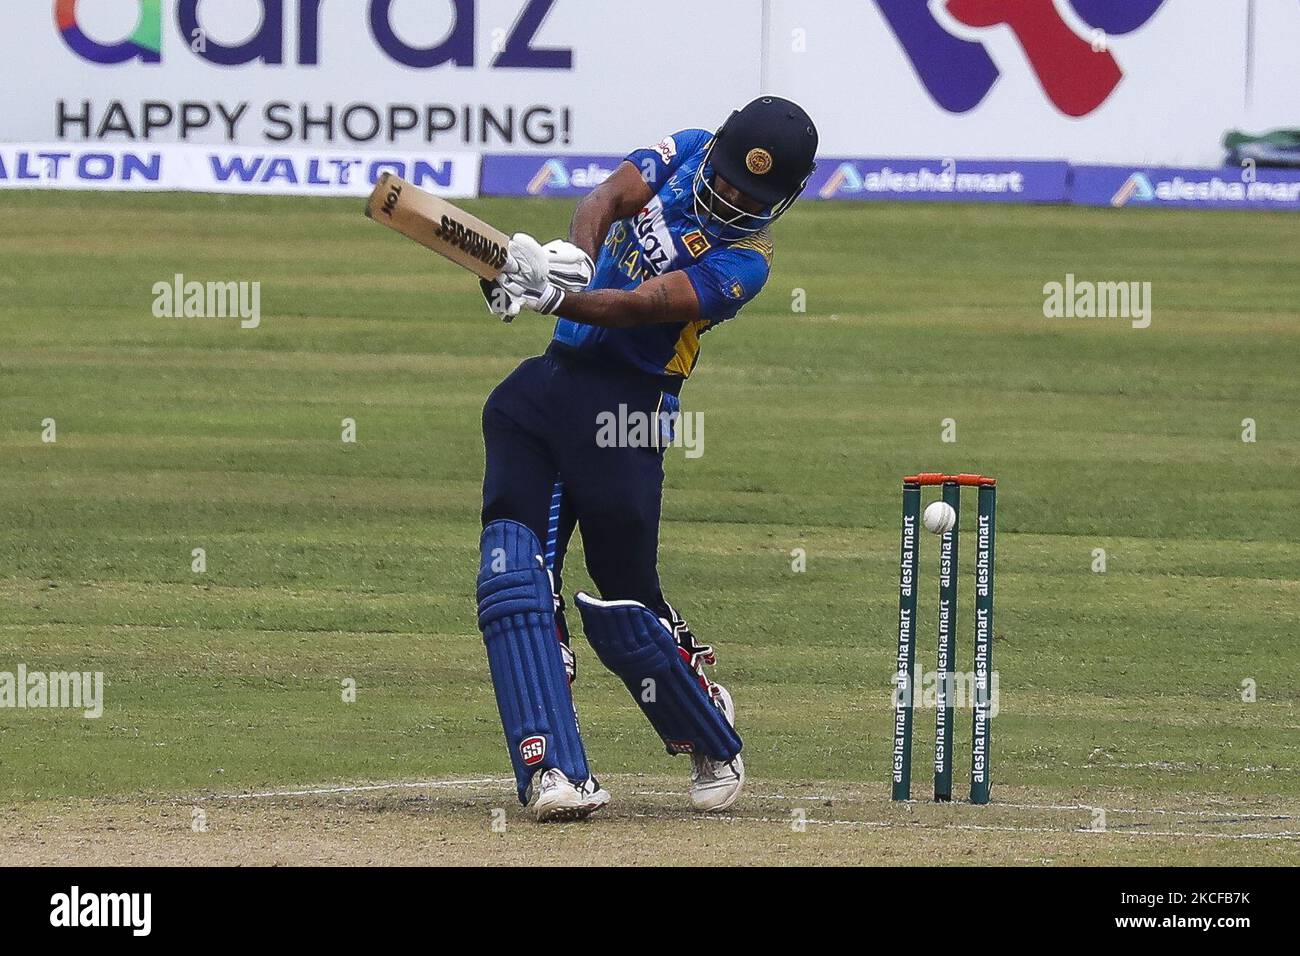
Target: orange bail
(939, 478)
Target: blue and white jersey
(662, 237)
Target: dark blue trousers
(547, 470)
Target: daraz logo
(267, 44)
(1076, 70)
(144, 44)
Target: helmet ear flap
(788, 201)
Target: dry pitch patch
(460, 822)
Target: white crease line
(784, 821)
(503, 782)
(324, 791)
(1227, 816)
(1154, 810)
(417, 784)
(1286, 835)
(756, 796)
(1175, 765)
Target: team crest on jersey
(532, 749)
(696, 243)
(651, 231)
(735, 290)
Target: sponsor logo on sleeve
(666, 148)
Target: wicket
(904, 681)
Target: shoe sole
(563, 814)
(725, 805)
(735, 795)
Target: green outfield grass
(329, 560)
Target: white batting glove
(526, 261)
(569, 268)
(499, 301)
(526, 275)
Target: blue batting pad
(516, 616)
(632, 642)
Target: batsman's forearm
(667, 298)
(617, 308)
(594, 214)
(619, 196)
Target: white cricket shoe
(715, 784)
(556, 798)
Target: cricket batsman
(672, 245)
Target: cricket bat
(438, 225)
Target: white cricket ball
(939, 517)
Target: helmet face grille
(724, 220)
(715, 214)
(766, 151)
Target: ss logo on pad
(532, 749)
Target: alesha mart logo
(845, 178)
(554, 174)
(1138, 186)
(144, 44)
(1069, 55)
